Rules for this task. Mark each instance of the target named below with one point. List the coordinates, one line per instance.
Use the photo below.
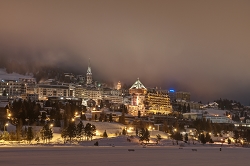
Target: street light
(9, 115)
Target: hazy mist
(196, 46)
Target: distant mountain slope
(12, 76)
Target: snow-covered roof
(138, 85)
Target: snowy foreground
(123, 155)
(119, 151)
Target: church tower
(89, 75)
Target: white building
(45, 91)
(219, 119)
(192, 115)
(10, 87)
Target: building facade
(157, 101)
(46, 91)
(182, 96)
(137, 93)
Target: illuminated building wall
(45, 91)
(157, 101)
(137, 92)
(119, 85)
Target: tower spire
(89, 68)
(89, 74)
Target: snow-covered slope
(12, 76)
(211, 111)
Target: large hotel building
(148, 101)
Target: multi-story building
(113, 95)
(219, 119)
(192, 104)
(79, 91)
(192, 115)
(146, 101)
(157, 101)
(10, 87)
(17, 87)
(45, 91)
(182, 96)
(137, 92)
(71, 89)
(32, 97)
(80, 79)
(92, 93)
(28, 85)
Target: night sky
(196, 46)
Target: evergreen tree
(184, 110)
(122, 118)
(176, 125)
(71, 130)
(46, 133)
(95, 117)
(83, 117)
(4, 93)
(158, 137)
(165, 127)
(136, 132)
(144, 135)
(105, 135)
(177, 136)
(110, 117)
(208, 126)
(186, 137)
(24, 134)
(30, 135)
(236, 135)
(101, 118)
(202, 139)
(105, 118)
(89, 131)
(64, 134)
(79, 130)
(124, 132)
(229, 141)
(208, 137)
(188, 108)
(18, 117)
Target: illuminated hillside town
(24, 102)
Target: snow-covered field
(91, 156)
(117, 150)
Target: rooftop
(138, 85)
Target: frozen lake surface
(121, 156)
